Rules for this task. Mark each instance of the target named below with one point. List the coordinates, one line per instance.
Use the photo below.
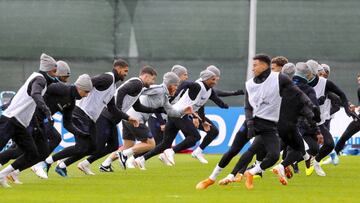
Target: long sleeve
(312, 96)
(194, 90)
(102, 82)
(116, 111)
(310, 112)
(36, 88)
(67, 121)
(58, 89)
(131, 88)
(224, 93)
(248, 108)
(219, 102)
(180, 90)
(307, 108)
(144, 109)
(284, 82)
(335, 102)
(170, 111)
(331, 87)
(201, 113)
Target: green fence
(89, 34)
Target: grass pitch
(160, 183)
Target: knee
(195, 138)
(151, 144)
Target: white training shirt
(23, 106)
(324, 108)
(95, 102)
(200, 100)
(154, 97)
(128, 101)
(265, 97)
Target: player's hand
(320, 138)
(352, 107)
(196, 122)
(239, 92)
(225, 106)
(206, 125)
(321, 100)
(135, 122)
(162, 128)
(188, 110)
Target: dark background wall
(89, 34)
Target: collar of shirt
(314, 82)
(206, 87)
(262, 77)
(116, 75)
(74, 93)
(48, 78)
(299, 80)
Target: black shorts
(141, 133)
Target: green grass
(177, 184)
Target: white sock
(316, 163)
(282, 166)
(217, 170)
(62, 165)
(107, 162)
(128, 152)
(131, 158)
(170, 151)
(6, 171)
(49, 160)
(85, 162)
(16, 172)
(255, 170)
(198, 150)
(258, 162)
(306, 156)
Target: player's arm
(225, 93)
(216, 99)
(67, 121)
(36, 87)
(331, 87)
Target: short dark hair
(148, 70)
(263, 57)
(280, 60)
(121, 63)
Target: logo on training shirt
(264, 102)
